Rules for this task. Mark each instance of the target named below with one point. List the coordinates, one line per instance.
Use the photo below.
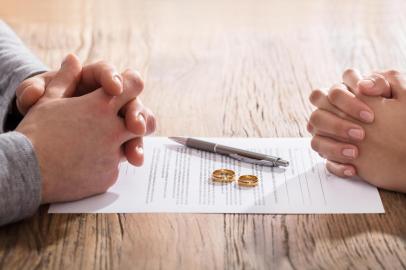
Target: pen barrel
(227, 150)
(202, 145)
(245, 155)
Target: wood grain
(216, 68)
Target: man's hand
(139, 119)
(350, 141)
(78, 141)
(90, 77)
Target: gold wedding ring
(248, 180)
(223, 176)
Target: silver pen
(239, 154)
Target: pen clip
(253, 161)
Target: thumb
(397, 82)
(375, 85)
(66, 79)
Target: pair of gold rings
(228, 176)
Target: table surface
(216, 68)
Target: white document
(178, 179)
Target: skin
(378, 153)
(139, 119)
(78, 141)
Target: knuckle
(102, 63)
(331, 151)
(309, 127)
(24, 84)
(315, 143)
(336, 150)
(338, 128)
(377, 76)
(315, 118)
(348, 71)
(332, 169)
(107, 67)
(315, 95)
(335, 94)
(342, 114)
(392, 73)
(136, 79)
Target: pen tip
(283, 163)
(180, 140)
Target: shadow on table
(88, 205)
(342, 226)
(42, 230)
(392, 222)
(285, 238)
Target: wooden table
(216, 68)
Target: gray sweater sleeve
(20, 182)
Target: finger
(320, 100)
(100, 74)
(351, 77)
(135, 120)
(375, 85)
(139, 120)
(29, 94)
(24, 84)
(310, 128)
(66, 79)
(151, 122)
(314, 131)
(329, 123)
(132, 87)
(341, 170)
(397, 82)
(134, 151)
(346, 102)
(334, 150)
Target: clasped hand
(359, 127)
(82, 121)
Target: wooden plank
(216, 68)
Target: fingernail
(348, 152)
(118, 81)
(139, 150)
(348, 172)
(367, 83)
(356, 133)
(141, 119)
(366, 116)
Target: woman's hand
(372, 147)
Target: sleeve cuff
(20, 179)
